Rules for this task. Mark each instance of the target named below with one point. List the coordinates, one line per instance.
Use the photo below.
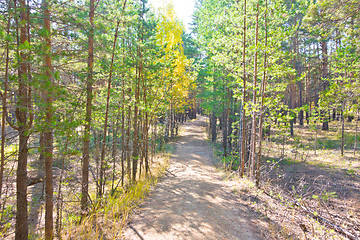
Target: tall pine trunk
(253, 125)
(4, 107)
(262, 94)
(127, 145)
(342, 129)
(48, 135)
(24, 120)
(89, 98)
(213, 127)
(243, 143)
(102, 160)
(325, 82)
(135, 152)
(356, 131)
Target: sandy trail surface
(192, 201)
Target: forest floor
(193, 200)
(307, 194)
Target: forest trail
(192, 201)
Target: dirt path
(192, 201)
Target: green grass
(5, 215)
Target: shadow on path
(192, 201)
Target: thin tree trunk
(114, 148)
(231, 121)
(240, 131)
(122, 144)
(48, 135)
(307, 93)
(298, 75)
(135, 152)
(123, 133)
(22, 114)
(262, 89)
(167, 123)
(342, 129)
(316, 137)
(356, 131)
(225, 127)
(123, 153)
(127, 150)
(213, 127)
(253, 125)
(89, 98)
(102, 160)
(146, 142)
(325, 82)
(4, 106)
(172, 136)
(59, 193)
(242, 168)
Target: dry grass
(297, 180)
(321, 181)
(109, 216)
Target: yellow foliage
(176, 75)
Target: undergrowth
(300, 196)
(109, 216)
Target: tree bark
(24, 124)
(4, 107)
(253, 125)
(213, 127)
(242, 168)
(135, 152)
(89, 98)
(48, 135)
(300, 84)
(262, 94)
(325, 82)
(342, 129)
(102, 161)
(356, 131)
(127, 143)
(224, 127)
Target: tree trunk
(242, 168)
(225, 128)
(89, 98)
(102, 161)
(342, 130)
(146, 130)
(298, 75)
(213, 127)
(122, 144)
(48, 135)
(22, 114)
(114, 148)
(253, 125)
(4, 108)
(147, 165)
(127, 143)
(261, 115)
(356, 131)
(167, 124)
(325, 82)
(59, 193)
(231, 113)
(123, 132)
(135, 152)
